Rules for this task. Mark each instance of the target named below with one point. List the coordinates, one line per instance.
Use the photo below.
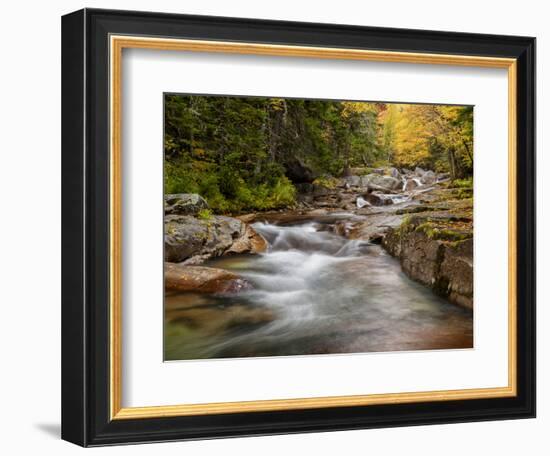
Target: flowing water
(314, 292)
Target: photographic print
(301, 227)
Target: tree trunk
(452, 163)
(347, 151)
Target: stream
(326, 295)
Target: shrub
(326, 181)
(204, 214)
(467, 183)
(225, 190)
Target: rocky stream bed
(375, 262)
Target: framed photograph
(278, 227)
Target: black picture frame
(85, 224)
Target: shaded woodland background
(246, 153)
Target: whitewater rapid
(329, 295)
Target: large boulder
(437, 251)
(202, 279)
(383, 183)
(353, 181)
(193, 240)
(184, 204)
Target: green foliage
(227, 192)
(464, 187)
(326, 181)
(406, 225)
(241, 154)
(463, 183)
(204, 214)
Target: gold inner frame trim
(117, 44)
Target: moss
(428, 228)
(405, 226)
(366, 171)
(464, 193)
(420, 208)
(437, 232)
(455, 244)
(204, 214)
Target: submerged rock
(384, 183)
(211, 320)
(202, 279)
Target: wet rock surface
(193, 240)
(436, 249)
(202, 279)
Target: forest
(251, 153)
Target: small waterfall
(362, 202)
(308, 238)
